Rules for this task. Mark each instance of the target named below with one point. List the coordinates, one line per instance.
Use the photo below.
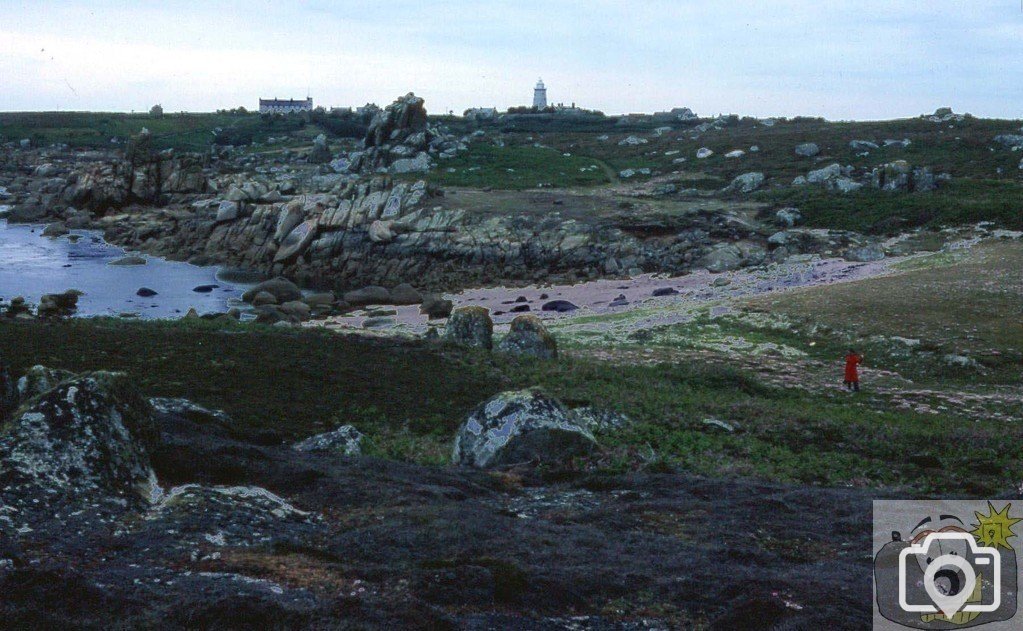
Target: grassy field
(965, 149)
(185, 132)
(968, 305)
(517, 167)
(410, 398)
(959, 203)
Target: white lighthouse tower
(539, 95)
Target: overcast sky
(843, 59)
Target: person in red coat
(852, 375)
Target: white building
(481, 113)
(540, 95)
(285, 106)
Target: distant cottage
(285, 106)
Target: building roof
(284, 101)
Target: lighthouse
(539, 95)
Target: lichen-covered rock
(807, 149)
(471, 327)
(345, 440)
(235, 516)
(85, 440)
(746, 183)
(40, 379)
(529, 336)
(600, 419)
(788, 217)
(517, 427)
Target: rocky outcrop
(520, 427)
(98, 182)
(345, 441)
(900, 176)
(84, 441)
(897, 176)
(40, 379)
(529, 337)
(397, 139)
(745, 183)
(320, 153)
(281, 289)
(55, 305)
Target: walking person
(852, 374)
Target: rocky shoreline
(362, 219)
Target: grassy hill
(584, 154)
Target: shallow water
(32, 265)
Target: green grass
(966, 151)
(410, 398)
(967, 307)
(186, 132)
(958, 203)
(516, 168)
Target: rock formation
(520, 427)
(470, 327)
(528, 336)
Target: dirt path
(611, 174)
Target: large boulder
(61, 304)
(723, 258)
(372, 295)
(528, 336)
(345, 440)
(517, 427)
(321, 152)
(297, 241)
(282, 289)
(788, 217)
(296, 310)
(291, 215)
(746, 183)
(87, 439)
(435, 307)
(225, 516)
(405, 294)
(471, 327)
(807, 149)
(228, 210)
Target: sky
(841, 59)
